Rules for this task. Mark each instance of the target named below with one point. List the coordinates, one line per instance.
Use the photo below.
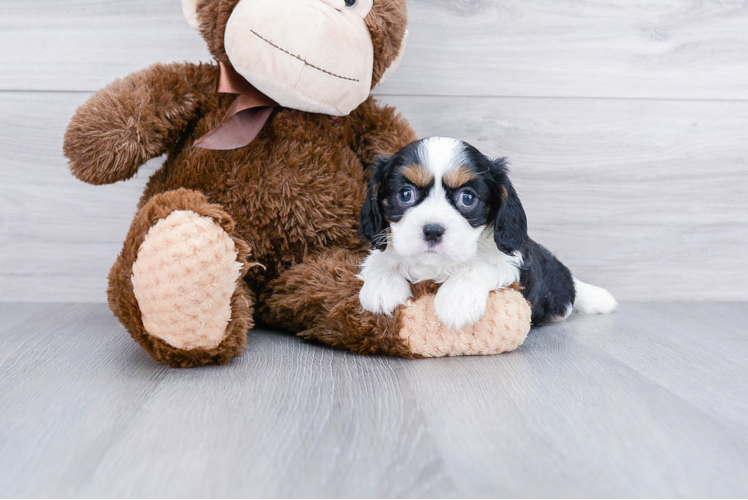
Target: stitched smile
(301, 58)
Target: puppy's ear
(372, 224)
(510, 225)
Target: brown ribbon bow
(245, 117)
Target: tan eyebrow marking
(457, 177)
(418, 175)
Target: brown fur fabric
(295, 191)
(213, 15)
(319, 299)
(122, 299)
(387, 23)
(135, 119)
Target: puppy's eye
(467, 199)
(349, 4)
(406, 196)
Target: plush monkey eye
(406, 196)
(467, 198)
(349, 4)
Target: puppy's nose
(433, 232)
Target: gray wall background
(626, 124)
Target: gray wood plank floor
(647, 402)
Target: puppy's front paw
(459, 304)
(381, 295)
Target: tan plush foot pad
(183, 279)
(175, 215)
(503, 328)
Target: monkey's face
(322, 56)
(315, 55)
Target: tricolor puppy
(440, 210)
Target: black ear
(510, 225)
(372, 224)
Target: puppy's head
(435, 198)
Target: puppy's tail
(591, 299)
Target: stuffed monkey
(253, 215)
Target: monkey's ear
(393, 66)
(189, 8)
(510, 225)
(371, 221)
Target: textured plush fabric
(125, 306)
(502, 329)
(183, 279)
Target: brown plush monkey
(253, 214)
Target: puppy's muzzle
(433, 233)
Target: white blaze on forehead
(439, 154)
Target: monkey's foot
(319, 298)
(184, 300)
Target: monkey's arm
(378, 130)
(134, 119)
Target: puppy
(440, 210)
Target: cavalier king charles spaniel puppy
(440, 210)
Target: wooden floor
(647, 402)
